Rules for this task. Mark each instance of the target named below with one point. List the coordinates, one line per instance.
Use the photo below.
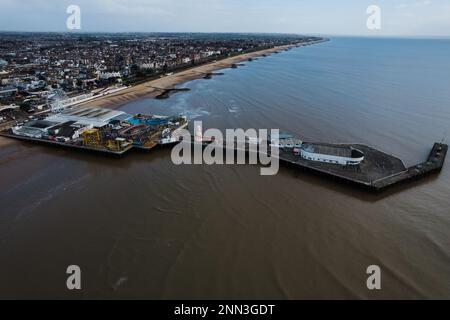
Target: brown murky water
(141, 227)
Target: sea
(143, 227)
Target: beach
(152, 88)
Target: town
(41, 71)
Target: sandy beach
(149, 89)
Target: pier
(377, 172)
(433, 164)
(100, 130)
(73, 146)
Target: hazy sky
(339, 17)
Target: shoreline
(149, 89)
(153, 88)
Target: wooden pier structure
(378, 171)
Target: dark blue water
(142, 227)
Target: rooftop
(98, 117)
(40, 124)
(332, 150)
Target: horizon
(399, 18)
(325, 36)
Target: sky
(313, 17)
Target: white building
(285, 141)
(335, 154)
(150, 65)
(107, 75)
(97, 117)
(65, 103)
(34, 129)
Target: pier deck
(376, 165)
(67, 145)
(434, 163)
(376, 172)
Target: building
(285, 141)
(65, 103)
(108, 75)
(7, 92)
(8, 107)
(35, 128)
(97, 117)
(70, 123)
(335, 154)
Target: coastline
(149, 89)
